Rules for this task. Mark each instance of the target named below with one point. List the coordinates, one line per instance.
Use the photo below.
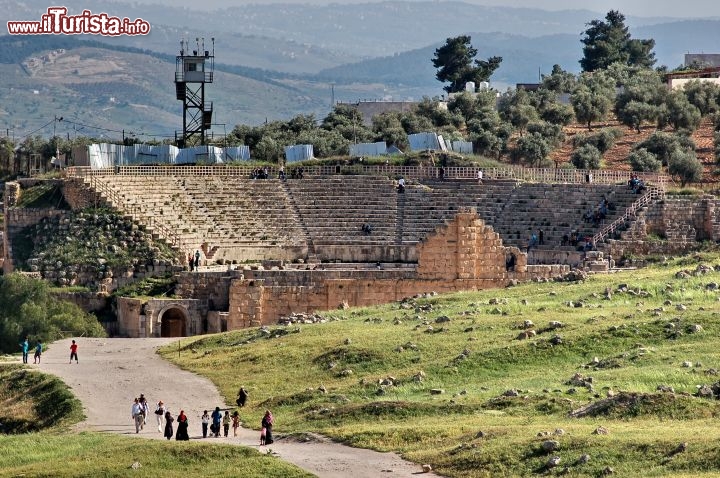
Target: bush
(662, 145)
(643, 160)
(586, 157)
(553, 133)
(603, 140)
(716, 135)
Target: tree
(642, 97)
(515, 108)
(552, 133)
(592, 98)
(716, 138)
(685, 165)
(387, 127)
(643, 160)
(662, 145)
(703, 95)
(454, 62)
(27, 308)
(559, 80)
(607, 42)
(680, 113)
(586, 156)
(533, 148)
(347, 120)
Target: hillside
(616, 157)
(116, 89)
(613, 375)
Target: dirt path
(112, 372)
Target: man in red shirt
(73, 352)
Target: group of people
(264, 173)
(636, 184)
(214, 422)
(25, 347)
(536, 239)
(599, 214)
(194, 260)
(217, 418)
(581, 242)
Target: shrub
(586, 157)
(603, 140)
(662, 145)
(643, 160)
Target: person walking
(197, 259)
(267, 424)
(168, 425)
(235, 422)
(182, 427)
(242, 397)
(216, 419)
(144, 410)
(38, 352)
(137, 415)
(226, 423)
(160, 414)
(205, 420)
(191, 261)
(73, 352)
(25, 346)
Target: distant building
(702, 60)
(527, 86)
(680, 78)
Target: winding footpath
(112, 372)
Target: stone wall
(143, 318)
(671, 226)
(210, 288)
(12, 194)
(462, 255)
(15, 221)
(131, 317)
(79, 196)
(466, 248)
(87, 301)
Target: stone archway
(173, 322)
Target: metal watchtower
(192, 72)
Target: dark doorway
(173, 323)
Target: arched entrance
(173, 323)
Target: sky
(643, 8)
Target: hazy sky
(645, 8)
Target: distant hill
(525, 57)
(324, 33)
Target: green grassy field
(445, 380)
(38, 409)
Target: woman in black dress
(182, 427)
(267, 424)
(168, 425)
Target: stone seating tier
(242, 214)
